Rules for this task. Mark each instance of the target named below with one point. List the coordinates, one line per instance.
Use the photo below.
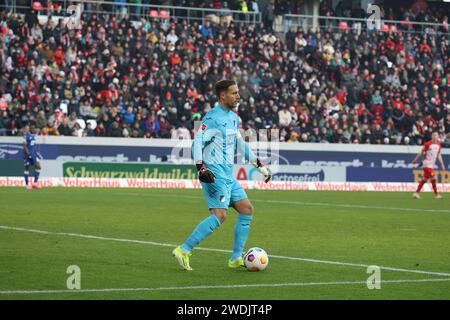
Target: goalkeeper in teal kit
(214, 149)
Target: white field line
(86, 236)
(259, 285)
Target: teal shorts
(223, 193)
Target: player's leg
(37, 172)
(434, 184)
(416, 194)
(241, 231)
(26, 174)
(200, 233)
(218, 198)
(205, 228)
(426, 176)
(244, 208)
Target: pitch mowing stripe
(340, 205)
(305, 203)
(86, 236)
(235, 286)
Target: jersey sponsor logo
(231, 139)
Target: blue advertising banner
(359, 166)
(391, 175)
(146, 154)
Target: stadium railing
(15, 6)
(282, 23)
(65, 8)
(288, 21)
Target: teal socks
(241, 232)
(203, 230)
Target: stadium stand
(339, 83)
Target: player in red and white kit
(431, 151)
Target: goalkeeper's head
(228, 93)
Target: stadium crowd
(154, 79)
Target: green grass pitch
(319, 244)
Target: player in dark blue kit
(30, 157)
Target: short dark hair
(223, 85)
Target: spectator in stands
(324, 79)
(206, 30)
(285, 117)
(64, 129)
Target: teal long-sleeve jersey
(217, 140)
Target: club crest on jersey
(203, 127)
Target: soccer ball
(256, 259)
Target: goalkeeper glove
(204, 174)
(263, 170)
